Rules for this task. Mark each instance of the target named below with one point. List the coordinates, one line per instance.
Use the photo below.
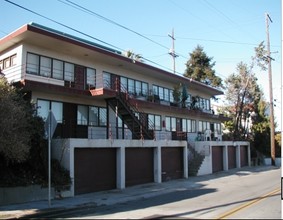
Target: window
(217, 127)
(189, 125)
(166, 95)
(207, 104)
(144, 89)
(171, 124)
(124, 83)
(200, 128)
(82, 115)
(57, 69)
(106, 79)
(171, 95)
(102, 116)
(43, 107)
(7, 63)
(32, 64)
(131, 86)
(69, 72)
(184, 125)
(161, 93)
(138, 88)
(90, 78)
(45, 66)
(155, 90)
(93, 116)
(14, 60)
(156, 120)
(193, 126)
(168, 124)
(57, 110)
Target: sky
(228, 30)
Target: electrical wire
(80, 32)
(71, 3)
(59, 23)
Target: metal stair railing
(124, 96)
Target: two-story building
(118, 123)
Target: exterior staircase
(195, 161)
(136, 120)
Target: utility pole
(272, 129)
(172, 50)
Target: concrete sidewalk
(119, 196)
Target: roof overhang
(65, 43)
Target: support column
(157, 165)
(185, 158)
(249, 154)
(120, 156)
(238, 154)
(225, 158)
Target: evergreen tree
(200, 68)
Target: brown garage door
(95, 169)
(217, 158)
(244, 156)
(231, 157)
(139, 166)
(172, 163)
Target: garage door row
(218, 157)
(95, 169)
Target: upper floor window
(45, 66)
(69, 72)
(90, 78)
(58, 69)
(106, 80)
(8, 62)
(134, 87)
(163, 93)
(32, 64)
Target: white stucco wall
(205, 148)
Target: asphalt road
(243, 195)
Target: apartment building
(118, 120)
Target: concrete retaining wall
(13, 195)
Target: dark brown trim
(34, 85)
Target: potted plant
(184, 96)
(176, 94)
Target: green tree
(14, 126)
(200, 68)
(23, 147)
(242, 96)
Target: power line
(66, 26)
(80, 32)
(110, 21)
